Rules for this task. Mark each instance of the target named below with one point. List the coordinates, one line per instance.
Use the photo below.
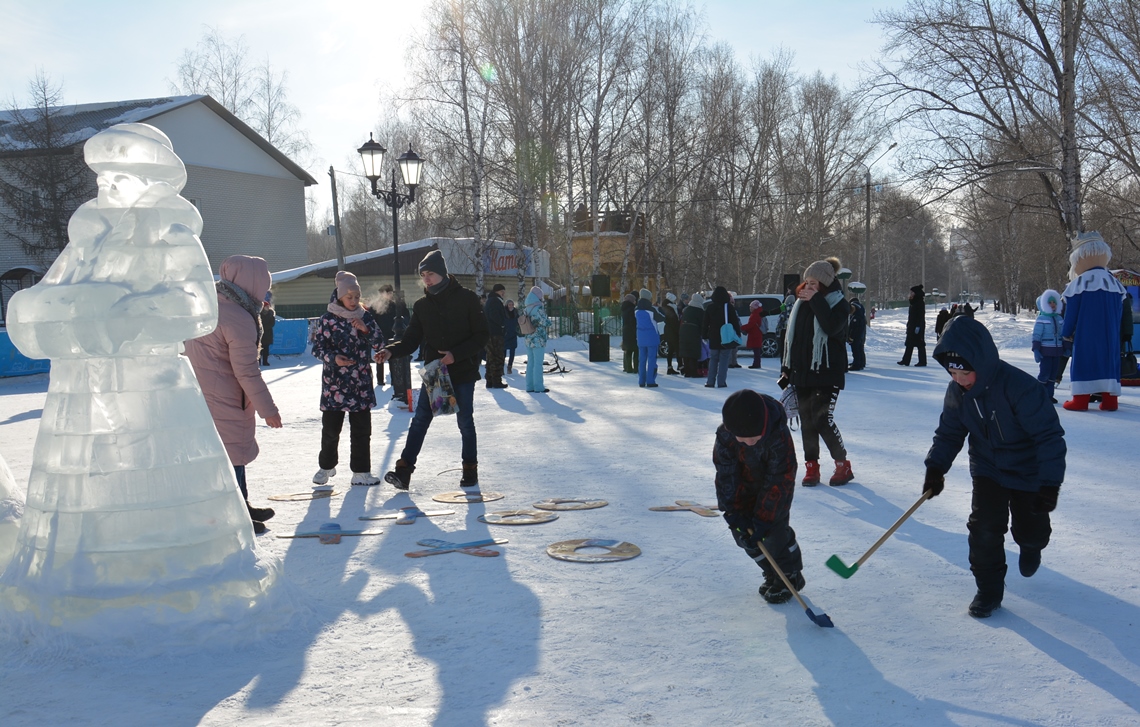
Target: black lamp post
(372, 154)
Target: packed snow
(676, 636)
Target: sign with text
(505, 261)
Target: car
(772, 304)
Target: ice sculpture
(11, 507)
(131, 501)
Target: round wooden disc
(315, 494)
(517, 517)
(468, 497)
(558, 503)
(568, 550)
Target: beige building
(251, 196)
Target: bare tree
(43, 178)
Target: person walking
(536, 341)
(915, 327)
(689, 336)
(496, 314)
(719, 314)
(815, 362)
(857, 334)
(511, 335)
(345, 340)
(450, 324)
(225, 364)
(1093, 311)
(648, 339)
(1016, 450)
(1048, 343)
(754, 329)
(672, 336)
(268, 320)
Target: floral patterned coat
(346, 388)
(541, 321)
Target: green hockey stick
(837, 565)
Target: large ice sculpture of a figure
(131, 502)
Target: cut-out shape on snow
(435, 546)
(467, 497)
(407, 515)
(517, 517)
(559, 503)
(616, 550)
(702, 510)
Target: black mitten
(934, 482)
(1046, 500)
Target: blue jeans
(718, 366)
(534, 368)
(465, 419)
(239, 473)
(646, 365)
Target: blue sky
(341, 53)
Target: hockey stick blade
(822, 620)
(837, 565)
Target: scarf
(819, 355)
(340, 311)
(439, 287)
(236, 294)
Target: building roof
(82, 121)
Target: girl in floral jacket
(346, 339)
(536, 342)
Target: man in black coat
(629, 334)
(450, 323)
(916, 327)
(496, 313)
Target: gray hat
(645, 294)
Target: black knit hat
(744, 414)
(954, 362)
(498, 287)
(434, 262)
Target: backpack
(526, 325)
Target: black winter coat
(833, 322)
(1015, 435)
(496, 311)
(857, 324)
(757, 481)
(628, 326)
(715, 318)
(672, 335)
(451, 321)
(689, 336)
(916, 321)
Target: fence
(569, 319)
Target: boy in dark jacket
(755, 479)
(1017, 455)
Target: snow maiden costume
(1093, 309)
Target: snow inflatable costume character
(1093, 309)
(132, 509)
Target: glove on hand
(1067, 347)
(934, 482)
(1046, 500)
(737, 521)
(759, 532)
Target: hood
(644, 304)
(251, 274)
(625, 304)
(532, 299)
(720, 295)
(1049, 302)
(698, 300)
(972, 341)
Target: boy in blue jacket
(755, 480)
(1017, 455)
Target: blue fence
(14, 363)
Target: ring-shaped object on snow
(568, 550)
(317, 493)
(517, 517)
(468, 497)
(568, 503)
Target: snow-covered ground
(677, 636)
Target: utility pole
(336, 223)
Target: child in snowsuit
(346, 338)
(1048, 345)
(755, 479)
(1017, 455)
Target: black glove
(1046, 500)
(934, 482)
(737, 521)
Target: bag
(728, 334)
(791, 404)
(439, 389)
(526, 325)
(1128, 368)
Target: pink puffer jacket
(225, 362)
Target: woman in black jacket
(629, 333)
(719, 312)
(916, 326)
(815, 362)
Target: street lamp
(372, 155)
(867, 186)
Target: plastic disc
(517, 517)
(557, 503)
(475, 496)
(568, 550)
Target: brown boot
(470, 475)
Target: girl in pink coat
(226, 364)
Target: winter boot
(470, 475)
(843, 473)
(259, 513)
(811, 473)
(1029, 561)
(771, 580)
(1108, 402)
(985, 603)
(367, 479)
(259, 527)
(1079, 402)
(401, 476)
(323, 475)
(779, 592)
